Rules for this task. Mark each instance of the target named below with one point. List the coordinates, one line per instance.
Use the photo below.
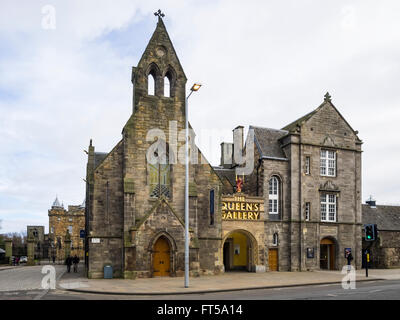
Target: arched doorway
(238, 251)
(161, 257)
(327, 254)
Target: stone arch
(173, 251)
(252, 258)
(170, 74)
(154, 71)
(331, 251)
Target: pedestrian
(54, 259)
(68, 262)
(349, 257)
(75, 260)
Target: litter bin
(108, 271)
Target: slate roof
(226, 174)
(56, 203)
(99, 157)
(267, 141)
(386, 217)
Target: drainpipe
(300, 200)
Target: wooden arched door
(161, 258)
(327, 254)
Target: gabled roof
(99, 158)
(161, 37)
(292, 126)
(298, 122)
(226, 174)
(385, 217)
(267, 142)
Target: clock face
(160, 51)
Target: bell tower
(158, 106)
(159, 74)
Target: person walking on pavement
(349, 257)
(54, 259)
(75, 260)
(68, 262)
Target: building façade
(298, 209)
(64, 230)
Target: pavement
(230, 281)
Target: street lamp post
(194, 88)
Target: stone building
(62, 221)
(385, 251)
(298, 209)
(40, 241)
(309, 175)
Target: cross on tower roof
(159, 14)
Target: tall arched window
(159, 176)
(169, 82)
(151, 84)
(275, 239)
(167, 87)
(274, 195)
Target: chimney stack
(226, 154)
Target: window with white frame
(275, 239)
(307, 165)
(273, 195)
(328, 207)
(52, 230)
(328, 163)
(307, 211)
(70, 229)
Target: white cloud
(261, 63)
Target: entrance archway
(161, 257)
(238, 251)
(327, 254)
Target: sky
(65, 70)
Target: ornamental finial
(328, 97)
(159, 14)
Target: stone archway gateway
(161, 257)
(327, 254)
(239, 251)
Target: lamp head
(196, 87)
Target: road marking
(331, 295)
(378, 290)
